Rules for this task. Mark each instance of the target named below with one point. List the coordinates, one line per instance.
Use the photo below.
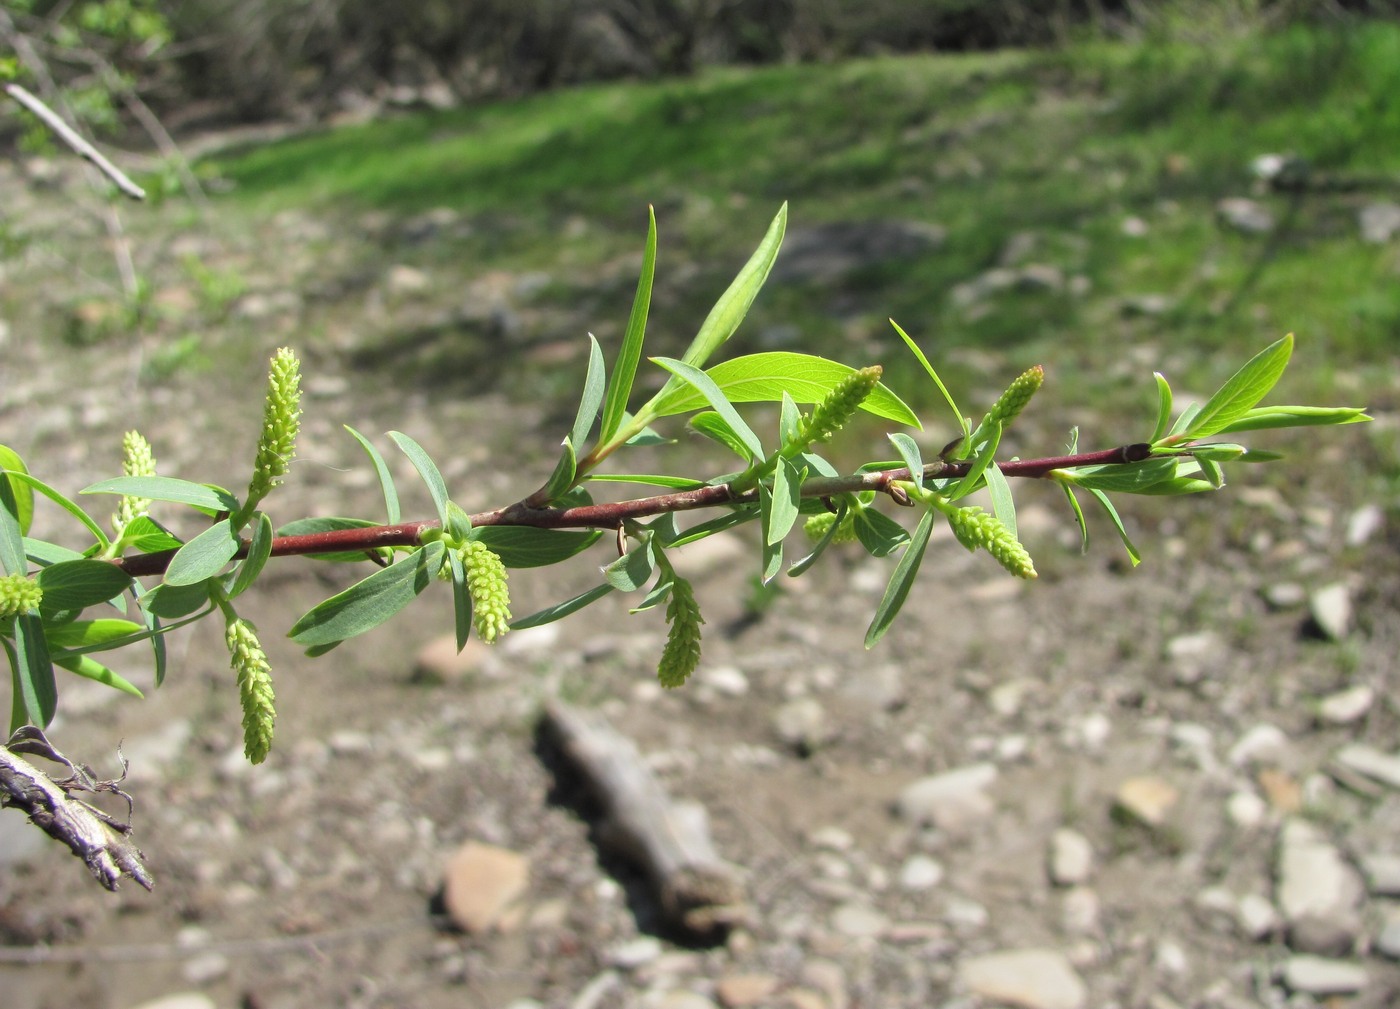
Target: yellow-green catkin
(975, 528)
(19, 594)
(1016, 396)
(255, 691)
(281, 421)
(137, 460)
(818, 525)
(840, 405)
(486, 583)
(681, 655)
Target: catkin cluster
(486, 583)
(839, 406)
(976, 528)
(281, 422)
(255, 691)
(19, 594)
(137, 460)
(818, 525)
(681, 655)
(1016, 396)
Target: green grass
(1061, 147)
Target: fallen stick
(698, 892)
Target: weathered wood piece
(698, 892)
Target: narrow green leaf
(1126, 478)
(1210, 469)
(427, 469)
(152, 623)
(787, 496)
(1003, 506)
(717, 429)
(633, 569)
(164, 488)
(526, 547)
(1164, 407)
(328, 523)
(36, 692)
(717, 524)
(734, 303)
(1183, 422)
(560, 610)
(12, 556)
(259, 550)
(67, 505)
(649, 480)
(44, 553)
(878, 533)
(1244, 389)
(565, 470)
(908, 450)
(772, 550)
(316, 651)
(370, 602)
(625, 370)
(985, 455)
(1266, 417)
(381, 468)
(789, 421)
(145, 535)
(655, 597)
(963, 424)
(461, 600)
(591, 401)
(74, 585)
(1218, 452)
(1078, 517)
(459, 523)
(766, 377)
(93, 635)
(93, 670)
(803, 565)
(202, 557)
(702, 383)
(10, 461)
(1178, 486)
(901, 581)
(1133, 554)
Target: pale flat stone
(1317, 891)
(1330, 607)
(951, 801)
(1317, 975)
(1146, 799)
(482, 881)
(180, 1000)
(1028, 978)
(1071, 857)
(1346, 706)
(1371, 762)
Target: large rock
(1318, 892)
(1029, 978)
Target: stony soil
(1158, 800)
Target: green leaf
(963, 424)
(427, 469)
(1121, 478)
(370, 602)
(766, 377)
(592, 399)
(1210, 469)
(878, 533)
(1187, 418)
(316, 651)
(202, 557)
(908, 450)
(1003, 506)
(1164, 406)
(649, 480)
(1244, 390)
(802, 566)
(772, 551)
(526, 547)
(63, 502)
(146, 535)
(175, 601)
(12, 556)
(75, 585)
(91, 669)
(24, 496)
(259, 550)
(1266, 417)
(717, 429)
(633, 569)
(717, 524)
(386, 481)
(152, 623)
(973, 479)
(625, 370)
(1177, 486)
(303, 527)
(461, 600)
(459, 523)
(901, 581)
(44, 553)
(1133, 554)
(93, 635)
(787, 495)
(565, 470)
(35, 692)
(703, 384)
(734, 303)
(164, 488)
(1078, 517)
(789, 422)
(654, 597)
(560, 610)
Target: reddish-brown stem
(615, 514)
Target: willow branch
(74, 140)
(615, 515)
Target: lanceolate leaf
(90, 668)
(427, 469)
(591, 401)
(878, 533)
(1102, 498)
(1078, 517)
(764, 378)
(772, 549)
(1133, 478)
(633, 569)
(24, 497)
(73, 585)
(909, 451)
(386, 482)
(805, 563)
(625, 369)
(1164, 406)
(164, 488)
(717, 429)
(727, 521)
(969, 483)
(175, 601)
(259, 550)
(526, 547)
(12, 557)
(703, 384)
(561, 610)
(369, 603)
(35, 693)
(461, 600)
(1264, 417)
(787, 495)
(901, 581)
(93, 635)
(649, 480)
(202, 557)
(63, 502)
(1244, 390)
(914, 347)
(1003, 506)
